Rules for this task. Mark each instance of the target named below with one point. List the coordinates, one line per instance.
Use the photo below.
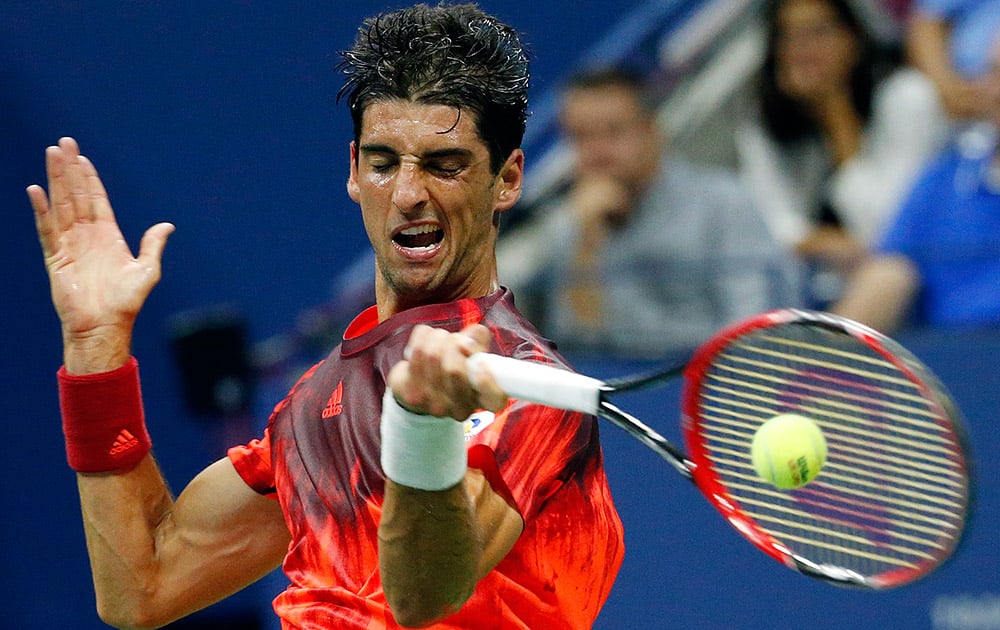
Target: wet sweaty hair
(454, 55)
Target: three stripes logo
(123, 442)
(334, 406)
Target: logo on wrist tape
(124, 442)
(478, 421)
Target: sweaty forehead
(410, 125)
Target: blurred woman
(841, 132)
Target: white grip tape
(539, 383)
(423, 452)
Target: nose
(409, 192)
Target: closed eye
(445, 169)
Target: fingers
(72, 188)
(98, 206)
(44, 218)
(76, 195)
(82, 208)
(67, 184)
(435, 380)
(60, 201)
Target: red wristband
(103, 419)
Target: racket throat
(647, 435)
(833, 574)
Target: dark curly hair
(453, 55)
(787, 119)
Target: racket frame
(708, 482)
(548, 385)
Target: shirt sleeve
(253, 463)
(529, 451)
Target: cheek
(476, 214)
(371, 183)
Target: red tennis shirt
(319, 457)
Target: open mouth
(419, 237)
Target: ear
(509, 181)
(352, 180)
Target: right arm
(927, 38)
(153, 559)
(435, 545)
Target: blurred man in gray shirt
(645, 253)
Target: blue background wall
(220, 117)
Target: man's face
(421, 175)
(611, 133)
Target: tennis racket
(890, 504)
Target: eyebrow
(432, 154)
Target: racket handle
(539, 383)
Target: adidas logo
(123, 442)
(335, 404)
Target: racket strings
(893, 493)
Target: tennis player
(395, 489)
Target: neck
(390, 301)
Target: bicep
(220, 537)
(498, 522)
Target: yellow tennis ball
(788, 450)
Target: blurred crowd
(865, 182)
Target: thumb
(477, 338)
(154, 241)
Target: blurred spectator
(841, 132)
(939, 264)
(645, 253)
(950, 41)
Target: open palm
(98, 286)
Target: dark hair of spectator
(787, 119)
(613, 76)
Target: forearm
(442, 526)
(927, 45)
(156, 559)
(880, 293)
(428, 542)
(429, 550)
(927, 48)
(121, 515)
(149, 560)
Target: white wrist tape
(423, 452)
